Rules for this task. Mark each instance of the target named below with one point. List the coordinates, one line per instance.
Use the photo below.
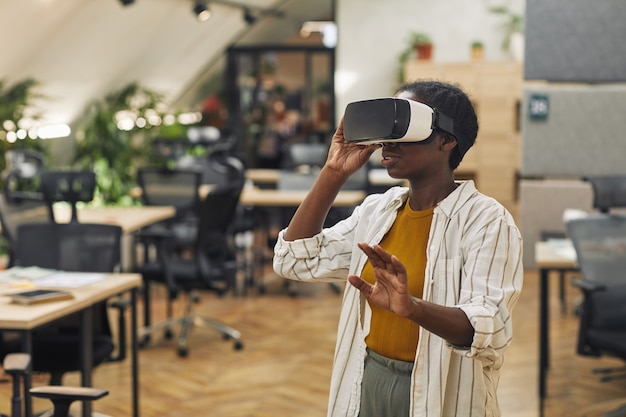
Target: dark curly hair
(452, 101)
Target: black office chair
(67, 186)
(162, 186)
(212, 266)
(17, 211)
(222, 168)
(307, 156)
(21, 174)
(78, 247)
(18, 366)
(609, 191)
(600, 244)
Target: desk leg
(543, 335)
(27, 346)
(134, 352)
(86, 352)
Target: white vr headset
(394, 120)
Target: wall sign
(538, 107)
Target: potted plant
(422, 44)
(478, 50)
(114, 153)
(513, 27)
(17, 102)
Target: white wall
(373, 33)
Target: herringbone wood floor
(284, 368)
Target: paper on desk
(27, 273)
(44, 277)
(62, 279)
(563, 247)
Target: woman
(434, 272)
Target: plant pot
(478, 54)
(424, 51)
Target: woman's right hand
(345, 158)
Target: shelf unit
(495, 89)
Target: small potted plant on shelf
(422, 44)
(478, 50)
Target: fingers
(378, 256)
(360, 285)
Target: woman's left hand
(390, 290)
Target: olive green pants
(386, 387)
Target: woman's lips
(389, 160)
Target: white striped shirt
(474, 262)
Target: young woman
(434, 272)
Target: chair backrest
(169, 187)
(309, 154)
(215, 253)
(82, 247)
(608, 191)
(217, 215)
(67, 186)
(221, 168)
(600, 244)
(291, 180)
(15, 212)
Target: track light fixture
(201, 11)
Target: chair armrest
(16, 363)
(588, 286)
(55, 392)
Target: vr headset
(394, 120)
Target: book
(40, 296)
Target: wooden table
(292, 198)
(27, 318)
(269, 177)
(130, 219)
(550, 256)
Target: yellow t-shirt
(391, 335)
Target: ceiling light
(201, 11)
(248, 16)
(127, 2)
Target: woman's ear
(447, 142)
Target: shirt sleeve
(324, 257)
(492, 279)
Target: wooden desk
(292, 198)
(269, 177)
(263, 176)
(549, 256)
(130, 219)
(25, 319)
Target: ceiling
(80, 50)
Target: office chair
(162, 186)
(18, 366)
(17, 211)
(608, 191)
(307, 155)
(67, 186)
(212, 266)
(600, 244)
(21, 174)
(78, 247)
(222, 168)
